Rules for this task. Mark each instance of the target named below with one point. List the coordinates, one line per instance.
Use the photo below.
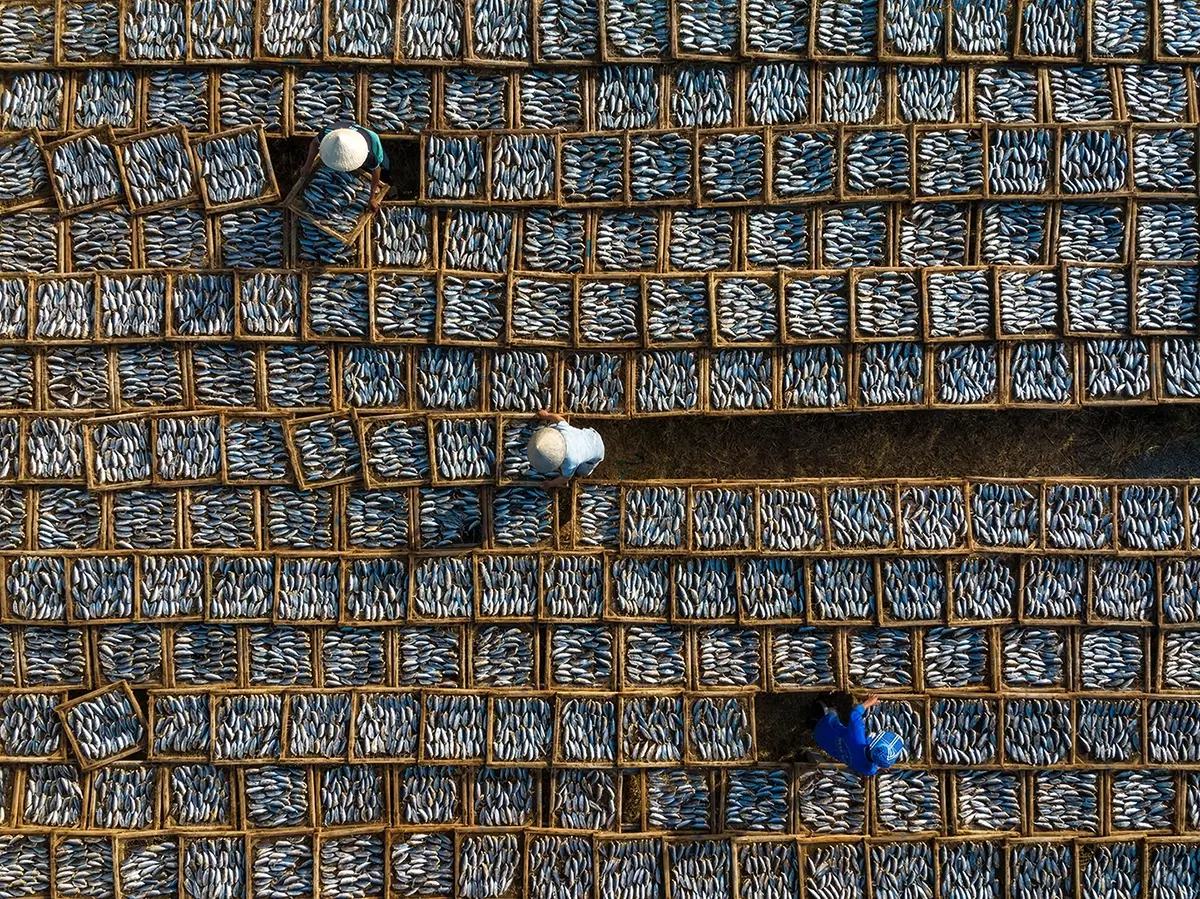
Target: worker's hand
(556, 482)
(870, 701)
(545, 415)
(373, 206)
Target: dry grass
(1137, 441)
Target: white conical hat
(344, 149)
(547, 449)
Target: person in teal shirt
(848, 743)
(349, 148)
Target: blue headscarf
(885, 748)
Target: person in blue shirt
(848, 743)
(349, 148)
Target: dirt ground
(287, 159)
(1161, 441)
(784, 722)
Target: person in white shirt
(562, 450)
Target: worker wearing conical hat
(564, 451)
(349, 148)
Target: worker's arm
(858, 730)
(376, 177)
(556, 482)
(870, 702)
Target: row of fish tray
(654, 524)
(433, 727)
(293, 639)
(661, 728)
(281, 517)
(550, 864)
(1048, 595)
(661, 519)
(756, 166)
(1024, 254)
(193, 797)
(1014, 515)
(309, 379)
(465, 633)
(149, 172)
(161, 170)
(754, 309)
(534, 582)
(945, 268)
(519, 31)
(402, 102)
